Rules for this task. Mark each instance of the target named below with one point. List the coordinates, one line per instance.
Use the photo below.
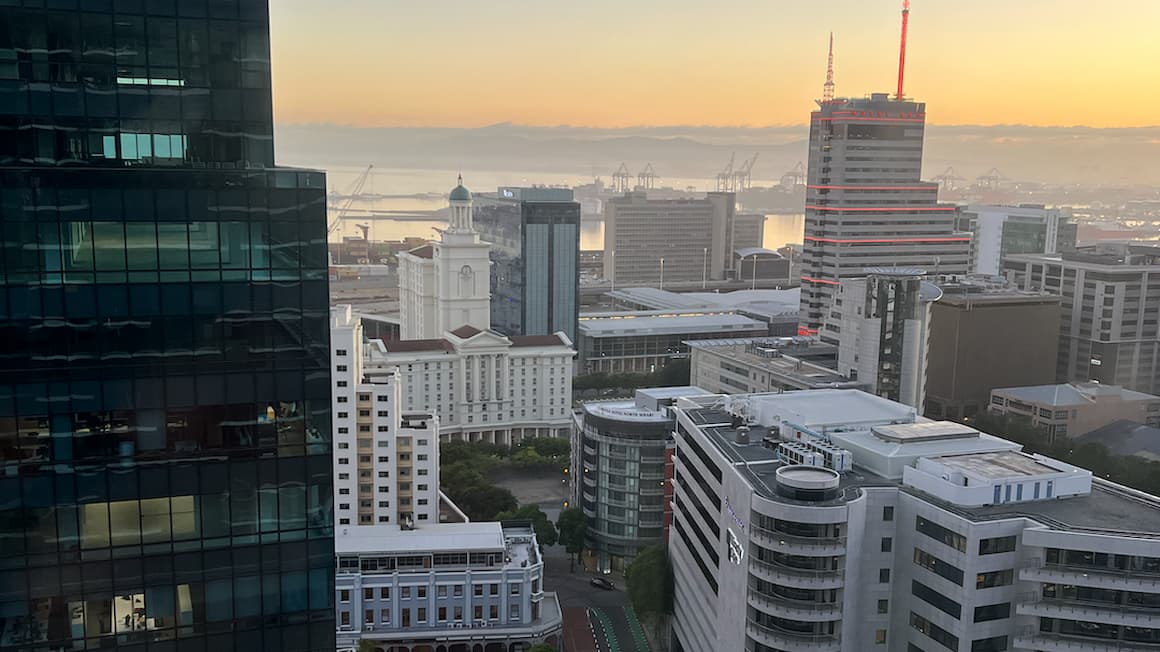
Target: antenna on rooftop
(902, 47)
(828, 87)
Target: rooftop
(425, 251)
(652, 323)
(763, 301)
(407, 346)
(538, 340)
(649, 405)
(1069, 394)
(998, 465)
(788, 358)
(434, 538)
(1125, 437)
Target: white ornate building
(446, 284)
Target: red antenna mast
(902, 48)
(828, 88)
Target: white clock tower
(462, 270)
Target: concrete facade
(452, 587)
(998, 231)
(760, 364)
(1110, 296)
(866, 204)
(936, 536)
(644, 341)
(985, 335)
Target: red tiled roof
(426, 251)
(399, 346)
(465, 331)
(535, 340)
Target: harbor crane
(795, 177)
(351, 194)
(725, 177)
(743, 177)
(621, 179)
(647, 179)
(991, 179)
(948, 179)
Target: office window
(344, 618)
(888, 513)
(441, 591)
(368, 594)
(494, 590)
(477, 612)
(493, 612)
(994, 578)
(993, 644)
(421, 615)
(880, 637)
(515, 589)
(457, 590)
(406, 592)
(936, 599)
(883, 606)
(369, 616)
(941, 534)
(937, 566)
(422, 590)
(344, 595)
(478, 590)
(441, 615)
(934, 632)
(887, 544)
(884, 575)
(991, 612)
(385, 593)
(385, 616)
(996, 545)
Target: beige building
(658, 242)
(1076, 408)
(985, 335)
(764, 364)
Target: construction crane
(948, 179)
(648, 178)
(991, 179)
(743, 177)
(795, 177)
(350, 196)
(725, 177)
(621, 179)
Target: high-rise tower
(164, 355)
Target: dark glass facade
(535, 255)
(165, 464)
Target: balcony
(798, 578)
(792, 641)
(791, 543)
(1110, 578)
(1031, 639)
(790, 609)
(1031, 604)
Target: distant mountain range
(1127, 156)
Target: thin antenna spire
(828, 88)
(902, 48)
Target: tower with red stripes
(866, 205)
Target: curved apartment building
(621, 456)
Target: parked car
(602, 583)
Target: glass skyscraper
(535, 259)
(165, 467)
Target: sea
(412, 193)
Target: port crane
(725, 177)
(647, 179)
(621, 179)
(948, 179)
(351, 194)
(743, 177)
(795, 177)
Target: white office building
(386, 457)
(476, 384)
(882, 325)
(462, 587)
(836, 520)
(998, 231)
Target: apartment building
(1074, 409)
(622, 462)
(840, 521)
(1110, 297)
(386, 458)
(454, 587)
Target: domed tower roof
(459, 193)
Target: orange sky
(615, 63)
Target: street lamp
(662, 273)
(704, 267)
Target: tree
(649, 580)
(484, 502)
(545, 531)
(366, 645)
(572, 526)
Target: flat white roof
(825, 407)
(652, 324)
(439, 537)
(998, 465)
(738, 299)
